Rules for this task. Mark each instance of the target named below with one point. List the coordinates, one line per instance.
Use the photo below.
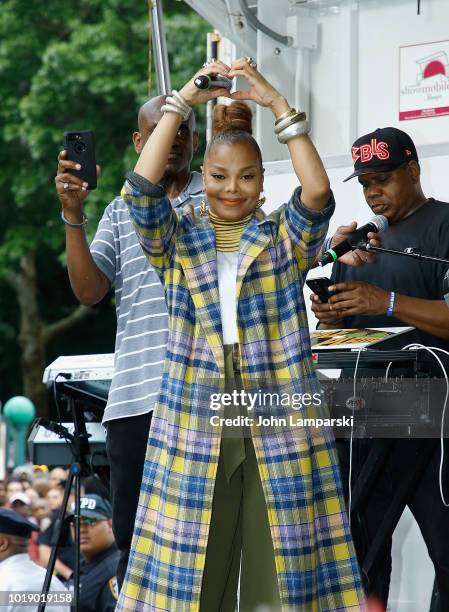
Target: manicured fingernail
(83, 188)
(331, 288)
(78, 167)
(85, 184)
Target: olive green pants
(240, 543)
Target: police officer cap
(94, 506)
(12, 523)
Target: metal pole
(150, 44)
(213, 39)
(160, 48)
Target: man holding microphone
(394, 291)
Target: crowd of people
(31, 501)
(36, 493)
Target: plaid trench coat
(314, 556)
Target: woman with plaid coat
(263, 504)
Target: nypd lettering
(88, 503)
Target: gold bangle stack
(288, 113)
(290, 124)
(286, 120)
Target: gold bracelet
(288, 113)
(289, 121)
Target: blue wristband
(391, 304)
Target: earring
(261, 201)
(203, 208)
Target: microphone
(205, 81)
(378, 224)
(59, 430)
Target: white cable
(443, 416)
(351, 438)
(387, 370)
(430, 349)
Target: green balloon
(19, 411)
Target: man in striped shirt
(116, 259)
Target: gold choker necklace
(228, 233)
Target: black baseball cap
(13, 523)
(94, 506)
(382, 151)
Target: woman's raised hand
(192, 95)
(261, 91)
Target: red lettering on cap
(366, 152)
(381, 150)
(355, 153)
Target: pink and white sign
(424, 80)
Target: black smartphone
(80, 147)
(319, 286)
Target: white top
(18, 573)
(227, 264)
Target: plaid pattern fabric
(315, 560)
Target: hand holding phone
(80, 147)
(320, 286)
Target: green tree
(66, 66)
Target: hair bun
(234, 117)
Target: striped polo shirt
(142, 323)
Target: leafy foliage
(68, 66)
